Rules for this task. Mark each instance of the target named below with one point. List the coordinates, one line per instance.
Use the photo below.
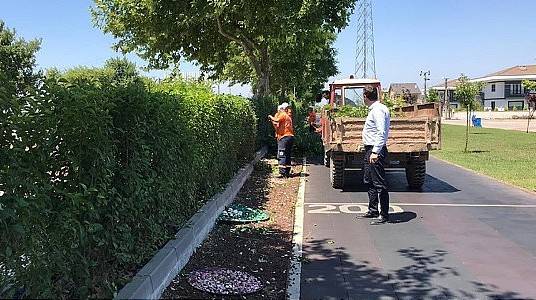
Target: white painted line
(432, 204)
(294, 273)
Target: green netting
(238, 213)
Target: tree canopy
(274, 45)
(433, 95)
(17, 62)
(466, 92)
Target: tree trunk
(258, 56)
(467, 130)
(263, 87)
(531, 114)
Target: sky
(445, 37)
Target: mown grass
(506, 155)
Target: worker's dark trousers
(374, 178)
(284, 152)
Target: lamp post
(426, 78)
(445, 98)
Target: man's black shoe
(380, 220)
(370, 215)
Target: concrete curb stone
(155, 276)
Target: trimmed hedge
(102, 168)
(306, 142)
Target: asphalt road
(463, 236)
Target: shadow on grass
(478, 151)
(330, 272)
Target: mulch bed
(262, 249)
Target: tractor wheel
(327, 158)
(336, 168)
(416, 173)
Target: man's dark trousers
(374, 178)
(284, 153)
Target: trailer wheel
(416, 173)
(336, 168)
(327, 158)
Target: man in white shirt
(375, 133)
(322, 100)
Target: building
(405, 90)
(451, 87)
(504, 89)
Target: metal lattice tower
(365, 61)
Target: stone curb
(155, 276)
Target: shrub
(265, 106)
(104, 166)
(306, 143)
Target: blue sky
(447, 37)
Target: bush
(306, 143)
(103, 167)
(265, 106)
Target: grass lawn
(506, 155)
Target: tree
(238, 40)
(408, 97)
(17, 62)
(530, 86)
(433, 95)
(466, 92)
(18, 85)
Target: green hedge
(103, 167)
(306, 143)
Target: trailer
(414, 131)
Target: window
(338, 97)
(353, 96)
(516, 105)
(515, 89)
(493, 87)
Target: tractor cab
(350, 91)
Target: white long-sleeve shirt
(376, 129)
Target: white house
(504, 90)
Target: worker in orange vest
(311, 119)
(284, 130)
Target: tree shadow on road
(397, 183)
(330, 273)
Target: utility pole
(446, 99)
(426, 78)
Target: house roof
(356, 81)
(451, 85)
(513, 73)
(516, 71)
(398, 88)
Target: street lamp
(425, 75)
(445, 98)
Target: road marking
(432, 204)
(344, 208)
(294, 273)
